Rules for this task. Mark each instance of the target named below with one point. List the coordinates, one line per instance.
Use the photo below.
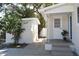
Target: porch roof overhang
(59, 11)
(59, 8)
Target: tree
(48, 4)
(36, 6)
(11, 21)
(12, 24)
(24, 11)
(2, 29)
(40, 17)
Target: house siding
(75, 30)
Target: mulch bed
(16, 46)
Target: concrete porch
(61, 48)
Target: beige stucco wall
(50, 23)
(65, 22)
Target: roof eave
(53, 6)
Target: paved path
(30, 50)
(60, 48)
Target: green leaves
(11, 22)
(24, 12)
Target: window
(57, 23)
(78, 14)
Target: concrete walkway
(60, 48)
(35, 49)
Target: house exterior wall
(75, 25)
(75, 29)
(50, 24)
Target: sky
(1, 14)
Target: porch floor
(61, 48)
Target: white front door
(57, 28)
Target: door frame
(54, 17)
